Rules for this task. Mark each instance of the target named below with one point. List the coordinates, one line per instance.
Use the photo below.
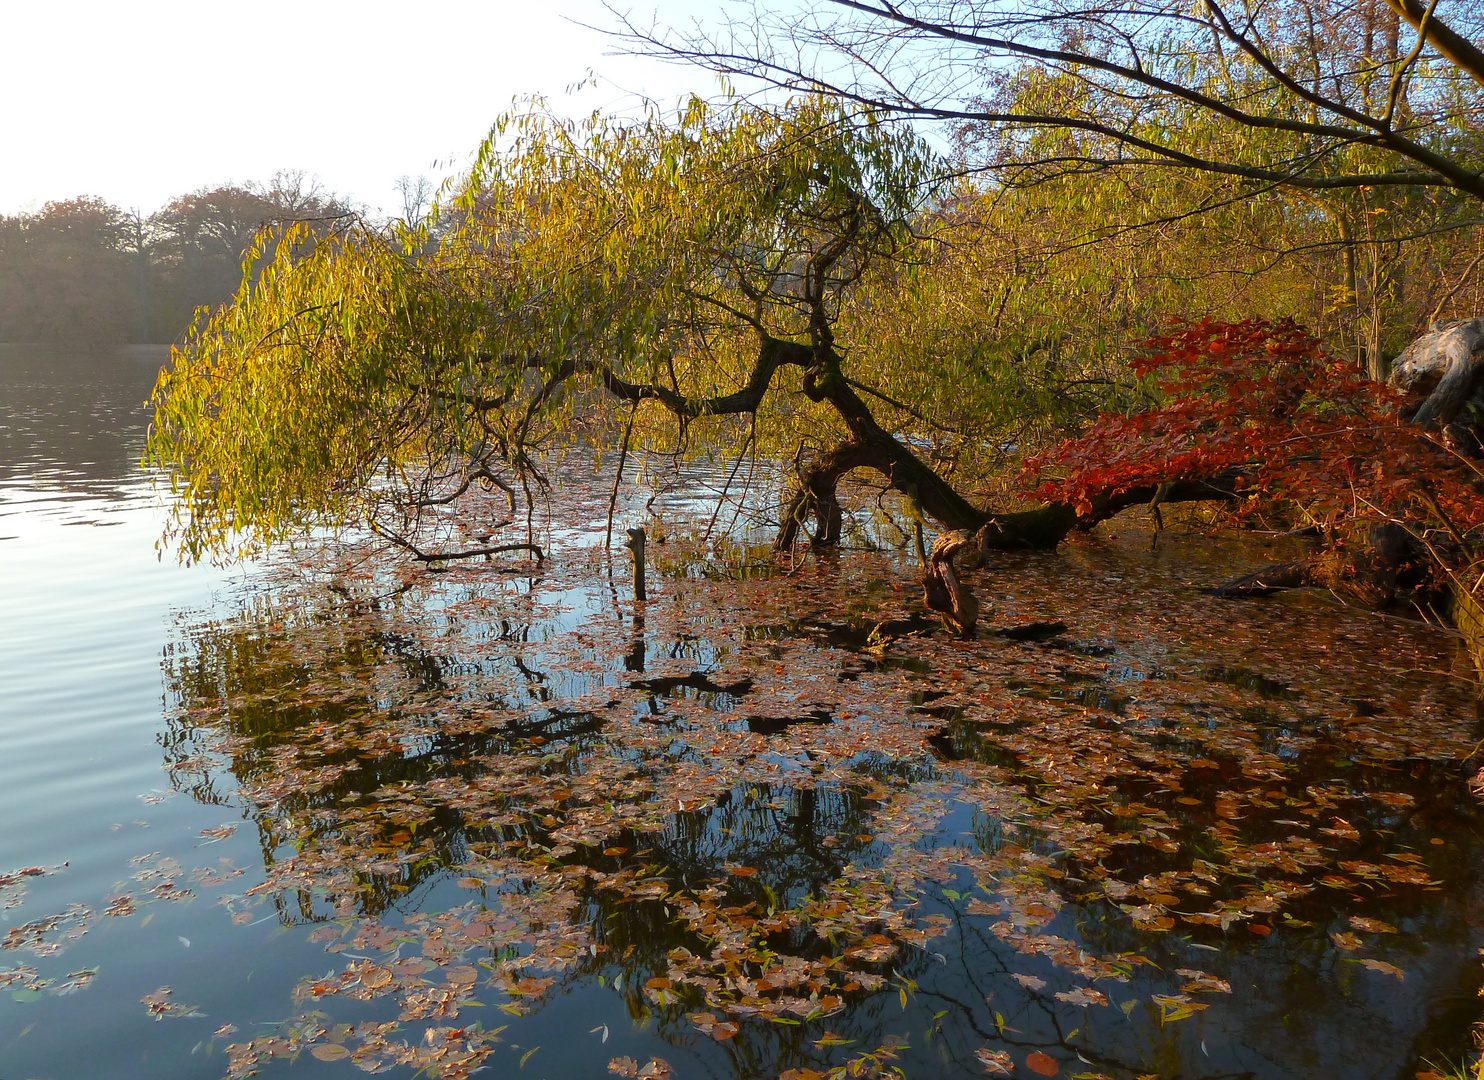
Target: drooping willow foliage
(365, 376)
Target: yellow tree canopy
(362, 377)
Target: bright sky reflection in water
(480, 700)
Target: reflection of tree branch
(441, 556)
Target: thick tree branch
(1457, 48)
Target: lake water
(323, 816)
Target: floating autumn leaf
(75, 981)
(1150, 918)
(329, 1052)
(1201, 983)
(1082, 996)
(1384, 968)
(1030, 982)
(1370, 926)
(995, 1062)
(160, 1006)
(1173, 1007)
(1392, 798)
(1044, 1064)
(723, 1030)
(530, 986)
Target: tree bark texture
(1441, 373)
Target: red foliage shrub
(1295, 423)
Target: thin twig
(722, 498)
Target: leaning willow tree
(721, 267)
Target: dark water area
(322, 816)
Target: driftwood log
(1441, 373)
(1372, 574)
(943, 591)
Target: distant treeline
(86, 272)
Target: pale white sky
(141, 101)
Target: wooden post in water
(635, 544)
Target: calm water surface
(228, 786)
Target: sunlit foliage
(364, 376)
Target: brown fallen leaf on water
(75, 981)
(1201, 983)
(160, 1006)
(1384, 968)
(1392, 798)
(1044, 1064)
(1082, 996)
(654, 1069)
(376, 978)
(708, 1024)
(995, 1062)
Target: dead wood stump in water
(635, 543)
(942, 590)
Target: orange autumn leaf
(1044, 1064)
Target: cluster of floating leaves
(45, 937)
(773, 799)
